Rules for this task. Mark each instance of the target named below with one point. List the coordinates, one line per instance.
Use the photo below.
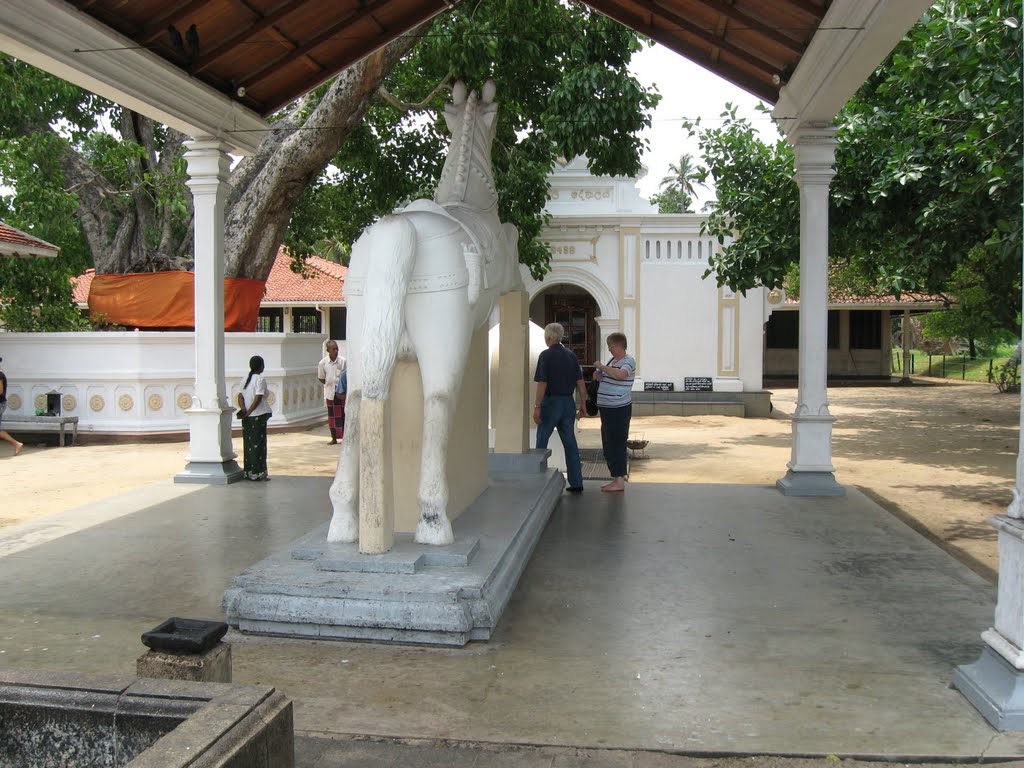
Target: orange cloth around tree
(167, 300)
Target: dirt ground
(941, 456)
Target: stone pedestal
(414, 593)
(214, 666)
(510, 413)
(994, 684)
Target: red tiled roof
(325, 282)
(80, 286)
(14, 242)
(848, 299)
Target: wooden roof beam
(225, 47)
(726, 71)
(810, 7)
(756, 25)
(302, 49)
(689, 27)
(158, 26)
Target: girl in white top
(254, 411)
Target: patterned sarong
(254, 446)
(336, 417)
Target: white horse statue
(419, 283)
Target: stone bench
(44, 423)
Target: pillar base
(213, 666)
(994, 688)
(809, 484)
(211, 472)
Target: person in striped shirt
(615, 404)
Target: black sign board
(697, 383)
(658, 386)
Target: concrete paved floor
(680, 618)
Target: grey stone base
(211, 473)
(995, 688)
(213, 666)
(413, 594)
(534, 460)
(755, 404)
(55, 718)
(809, 484)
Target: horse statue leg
(344, 491)
(441, 350)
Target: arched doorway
(576, 311)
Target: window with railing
(270, 321)
(305, 320)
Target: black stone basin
(184, 635)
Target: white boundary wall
(142, 382)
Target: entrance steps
(738, 404)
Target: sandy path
(940, 456)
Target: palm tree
(681, 183)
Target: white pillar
(905, 379)
(994, 684)
(810, 468)
(211, 458)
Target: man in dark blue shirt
(558, 376)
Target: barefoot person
(615, 404)
(3, 407)
(329, 371)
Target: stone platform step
(756, 404)
(413, 594)
(702, 408)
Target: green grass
(956, 367)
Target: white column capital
(209, 165)
(814, 150)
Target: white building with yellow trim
(619, 265)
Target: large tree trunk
(132, 230)
(267, 186)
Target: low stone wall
(139, 383)
(59, 719)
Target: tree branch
(405, 106)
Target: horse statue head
(467, 172)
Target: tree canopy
(928, 168)
(107, 185)
(563, 90)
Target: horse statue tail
(392, 252)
